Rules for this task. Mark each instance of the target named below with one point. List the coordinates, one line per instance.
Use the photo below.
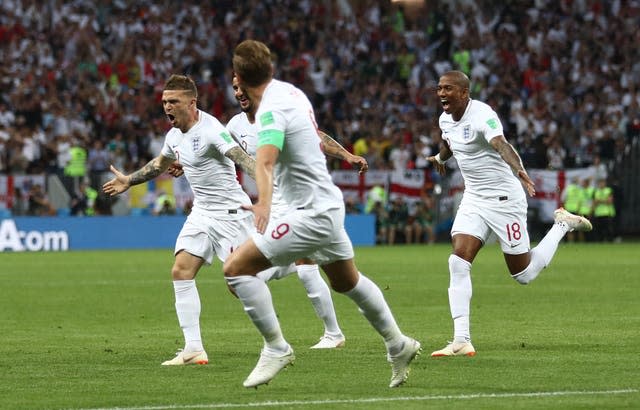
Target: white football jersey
(486, 175)
(243, 132)
(212, 176)
(246, 135)
(301, 171)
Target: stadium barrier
(22, 234)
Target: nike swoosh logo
(513, 245)
(189, 356)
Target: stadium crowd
(88, 74)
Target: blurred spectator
(97, 162)
(604, 211)
(423, 223)
(164, 204)
(586, 205)
(597, 169)
(556, 155)
(20, 206)
(4, 138)
(155, 146)
(17, 161)
(7, 117)
(38, 202)
(529, 152)
(351, 206)
(571, 198)
(103, 204)
(422, 151)
(382, 222)
(83, 200)
(76, 168)
(399, 221)
(63, 151)
(376, 194)
(400, 156)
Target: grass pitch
(89, 330)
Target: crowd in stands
(564, 75)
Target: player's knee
(523, 278)
(458, 266)
(342, 284)
(230, 268)
(179, 272)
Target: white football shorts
(205, 236)
(506, 218)
(306, 233)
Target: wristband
(437, 158)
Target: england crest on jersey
(195, 143)
(466, 133)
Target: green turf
(89, 330)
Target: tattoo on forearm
(510, 156)
(146, 173)
(243, 160)
(331, 146)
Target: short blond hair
(182, 83)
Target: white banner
(354, 185)
(549, 186)
(407, 184)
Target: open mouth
(445, 104)
(244, 102)
(172, 119)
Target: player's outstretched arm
(243, 160)
(332, 148)
(122, 182)
(511, 157)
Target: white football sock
(256, 299)
(372, 305)
(276, 272)
(542, 254)
(188, 310)
(320, 295)
(460, 291)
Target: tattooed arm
(243, 160)
(511, 157)
(122, 182)
(333, 148)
